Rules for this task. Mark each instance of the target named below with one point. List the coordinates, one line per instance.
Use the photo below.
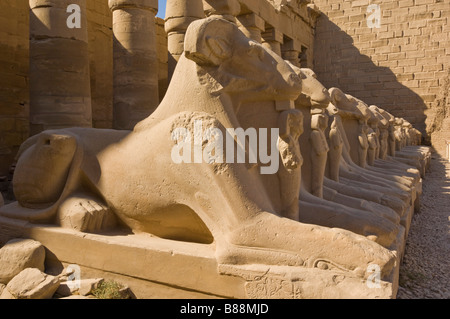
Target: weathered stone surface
(5, 294)
(19, 254)
(60, 93)
(88, 285)
(135, 61)
(65, 289)
(82, 287)
(126, 293)
(32, 283)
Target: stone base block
(157, 268)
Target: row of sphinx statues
(343, 197)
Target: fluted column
(227, 9)
(273, 39)
(135, 61)
(60, 93)
(179, 15)
(252, 26)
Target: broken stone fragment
(87, 286)
(19, 254)
(65, 289)
(31, 283)
(126, 293)
(82, 287)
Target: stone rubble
(17, 255)
(31, 283)
(22, 275)
(84, 287)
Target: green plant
(109, 290)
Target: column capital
(184, 8)
(181, 13)
(252, 20)
(151, 5)
(272, 35)
(53, 3)
(291, 45)
(226, 8)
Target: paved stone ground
(425, 272)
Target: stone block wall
(14, 71)
(401, 65)
(14, 65)
(294, 19)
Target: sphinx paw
(85, 215)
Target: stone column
(228, 9)
(136, 93)
(179, 15)
(291, 51)
(252, 26)
(273, 39)
(60, 92)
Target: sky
(161, 8)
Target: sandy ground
(425, 272)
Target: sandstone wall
(294, 19)
(14, 106)
(401, 66)
(14, 69)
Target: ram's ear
(335, 95)
(207, 41)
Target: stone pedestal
(179, 15)
(60, 93)
(156, 268)
(136, 93)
